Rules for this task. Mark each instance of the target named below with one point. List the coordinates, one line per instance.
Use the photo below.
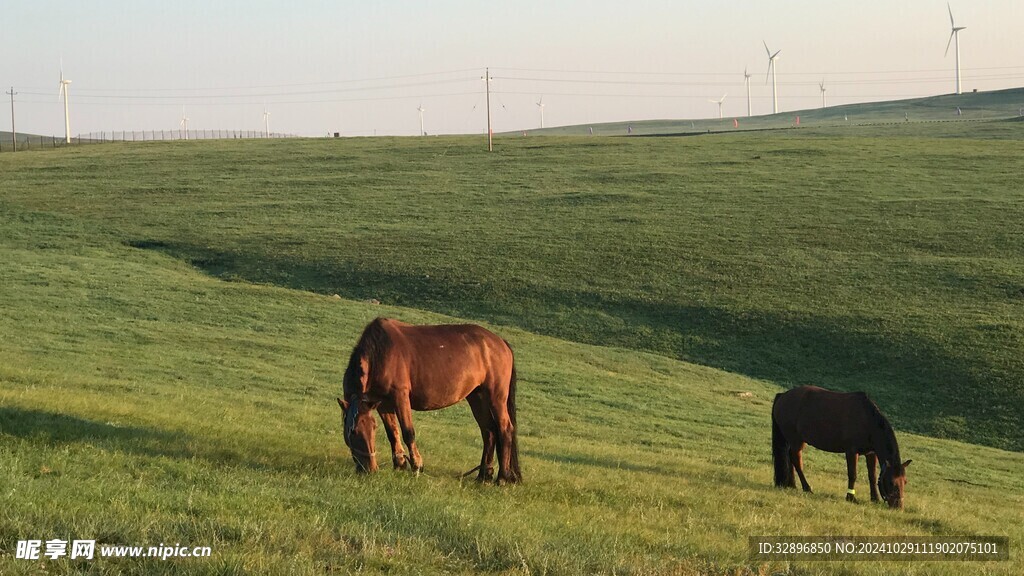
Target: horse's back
(828, 420)
(441, 364)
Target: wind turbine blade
(766, 48)
(952, 24)
(949, 43)
(776, 54)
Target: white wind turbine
(63, 93)
(955, 33)
(822, 86)
(422, 110)
(184, 122)
(266, 121)
(746, 79)
(540, 104)
(771, 72)
(720, 101)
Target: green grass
(169, 352)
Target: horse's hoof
(504, 479)
(851, 498)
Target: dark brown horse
(842, 422)
(396, 368)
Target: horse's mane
(372, 345)
(887, 439)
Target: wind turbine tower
(771, 72)
(822, 86)
(266, 122)
(746, 79)
(540, 104)
(422, 110)
(720, 101)
(184, 122)
(955, 34)
(63, 93)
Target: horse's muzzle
(365, 468)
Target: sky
(364, 68)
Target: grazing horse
(845, 422)
(396, 368)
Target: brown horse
(836, 422)
(396, 368)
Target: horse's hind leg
(488, 431)
(872, 459)
(391, 429)
(851, 474)
(796, 455)
(505, 430)
(403, 410)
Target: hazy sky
(364, 67)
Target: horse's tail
(517, 475)
(780, 454)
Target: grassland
(889, 264)
(169, 350)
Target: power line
(265, 95)
(171, 101)
(662, 73)
(291, 85)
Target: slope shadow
(921, 387)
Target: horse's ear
(907, 463)
(343, 404)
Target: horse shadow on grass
(55, 429)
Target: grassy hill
(892, 265)
(169, 350)
(143, 402)
(974, 106)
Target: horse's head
(891, 482)
(359, 429)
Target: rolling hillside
(170, 344)
(979, 106)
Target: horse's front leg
(403, 410)
(851, 473)
(391, 429)
(872, 459)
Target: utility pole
(487, 79)
(14, 135)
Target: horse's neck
(886, 448)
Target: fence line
(36, 142)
